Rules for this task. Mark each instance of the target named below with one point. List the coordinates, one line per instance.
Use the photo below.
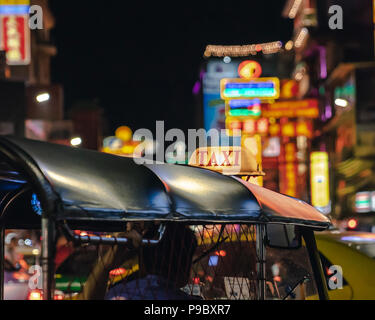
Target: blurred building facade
(335, 62)
(284, 132)
(32, 106)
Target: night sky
(140, 61)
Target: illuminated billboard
(320, 197)
(288, 170)
(243, 108)
(364, 202)
(213, 105)
(308, 108)
(15, 31)
(248, 126)
(261, 88)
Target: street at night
(197, 153)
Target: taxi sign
(233, 161)
(261, 88)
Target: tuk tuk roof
(92, 187)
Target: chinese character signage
(248, 126)
(308, 108)
(15, 31)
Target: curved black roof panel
(82, 185)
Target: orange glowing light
(124, 133)
(288, 130)
(249, 69)
(117, 272)
(352, 223)
(221, 253)
(263, 126)
(274, 129)
(249, 126)
(58, 297)
(35, 295)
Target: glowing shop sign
(288, 170)
(363, 202)
(14, 7)
(248, 126)
(261, 88)
(320, 180)
(294, 129)
(243, 108)
(308, 108)
(15, 32)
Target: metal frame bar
(2, 269)
(48, 254)
(316, 264)
(261, 260)
(108, 240)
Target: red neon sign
(15, 38)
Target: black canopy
(91, 187)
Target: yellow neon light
(320, 179)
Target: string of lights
(242, 51)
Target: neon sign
(320, 180)
(248, 126)
(363, 202)
(288, 170)
(15, 32)
(308, 108)
(243, 108)
(261, 88)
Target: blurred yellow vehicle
(354, 252)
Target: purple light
(323, 62)
(358, 239)
(197, 88)
(328, 112)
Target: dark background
(140, 61)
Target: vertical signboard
(365, 202)
(288, 170)
(320, 197)
(15, 31)
(214, 106)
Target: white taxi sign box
(227, 160)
